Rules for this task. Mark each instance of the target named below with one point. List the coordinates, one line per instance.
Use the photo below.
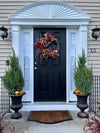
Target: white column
(16, 39)
(83, 40)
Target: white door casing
(22, 41)
(76, 40)
(72, 55)
(48, 14)
(26, 56)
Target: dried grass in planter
(6, 125)
(93, 123)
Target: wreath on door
(43, 46)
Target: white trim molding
(48, 14)
(16, 38)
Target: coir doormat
(49, 117)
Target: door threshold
(54, 103)
(50, 103)
(48, 106)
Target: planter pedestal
(16, 106)
(82, 105)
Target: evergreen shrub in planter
(83, 78)
(14, 83)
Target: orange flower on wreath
(46, 51)
(53, 54)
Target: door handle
(35, 68)
(35, 63)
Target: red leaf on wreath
(40, 51)
(48, 38)
(38, 44)
(52, 36)
(53, 54)
(52, 33)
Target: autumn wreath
(43, 46)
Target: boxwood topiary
(13, 79)
(83, 75)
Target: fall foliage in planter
(93, 123)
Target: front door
(50, 76)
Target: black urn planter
(16, 105)
(82, 104)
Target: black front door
(50, 76)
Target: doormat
(49, 117)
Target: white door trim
(17, 30)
